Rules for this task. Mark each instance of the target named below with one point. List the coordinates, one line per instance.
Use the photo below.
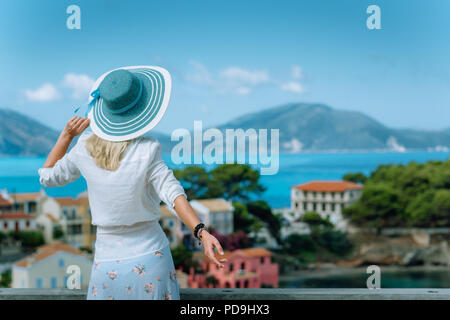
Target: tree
(296, 244)
(334, 241)
(242, 220)
(29, 239)
(378, 207)
(239, 182)
(314, 219)
(262, 211)
(357, 177)
(197, 183)
(182, 257)
(5, 279)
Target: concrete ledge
(249, 294)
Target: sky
(229, 58)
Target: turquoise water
(389, 279)
(20, 174)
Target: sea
(20, 174)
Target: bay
(20, 174)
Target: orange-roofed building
(46, 268)
(328, 198)
(245, 268)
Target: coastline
(332, 271)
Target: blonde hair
(107, 154)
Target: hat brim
(140, 119)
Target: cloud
(296, 72)
(292, 86)
(241, 81)
(238, 75)
(80, 84)
(200, 74)
(46, 92)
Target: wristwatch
(197, 230)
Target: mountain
(303, 127)
(21, 135)
(315, 127)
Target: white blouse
(126, 196)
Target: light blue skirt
(147, 277)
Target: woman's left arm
(74, 127)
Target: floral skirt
(147, 277)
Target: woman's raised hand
(209, 243)
(75, 126)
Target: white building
(215, 213)
(17, 221)
(328, 198)
(48, 266)
(171, 225)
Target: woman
(126, 179)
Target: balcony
(249, 294)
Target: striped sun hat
(127, 102)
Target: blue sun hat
(127, 102)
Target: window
(304, 206)
(262, 260)
(323, 206)
(314, 206)
(60, 262)
(238, 284)
(332, 207)
(39, 283)
(314, 194)
(53, 282)
(65, 281)
(5, 225)
(296, 204)
(243, 266)
(27, 223)
(231, 267)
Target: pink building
(245, 268)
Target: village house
(216, 214)
(327, 198)
(47, 267)
(171, 226)
(27, 202)
(245, 268)
(17, 221)
(72, 216)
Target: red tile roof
(46, 251)
(26, 196)
(69, 201)
(328, 186)
(249, 252)
(4, 202)
(16, 215)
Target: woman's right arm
(189, 218)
